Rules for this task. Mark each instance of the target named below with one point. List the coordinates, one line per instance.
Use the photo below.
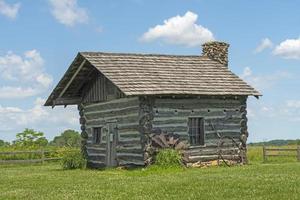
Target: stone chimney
(217, 51)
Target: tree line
(36, 139)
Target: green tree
(68, 138)
(31, 138)
(3, 143)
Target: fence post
(43, 156)
(264, 154)
(298, 153)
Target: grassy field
(255, 181)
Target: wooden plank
(116, 103)
(72, 78)
(67, 101)
(212, 157)
(274, 155)
(20, 161)
(264, 154)
(272, 149)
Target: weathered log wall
(126, 113)
(227, 115)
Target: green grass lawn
(254, 181)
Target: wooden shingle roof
(150, 74)
(142, 74)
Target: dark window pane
(97, 135)
(196, 131)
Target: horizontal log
(129, 143)
(121, 120)
(95, 164)
(121, 150)
(97, 154)
(94, 152)
(96, 157)
(117, 103)
(131, 162)
(67, 101)
(112, 110)
(194, 113)
(132, 111)
(196, 101)
(212, 157)
(208, 119)
(122, 127)
(129, 134)
(137, 156)
(118, 117)
(223, 133)
(172, 129)
(212, 144)
(132, 139)
(210, 151)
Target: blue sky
(40, 38)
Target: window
(196, 131)
(97, 135)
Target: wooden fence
(39, 153)
(273, 152)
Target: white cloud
(289, 49)
(263, 81)
(265, 43)
(10, 11)
(181, 30)
(68, 12)
(23, 76)
(51, 121)
(287, 111)
(293, 104)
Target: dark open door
(111, 144)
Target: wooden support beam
(67, 101)
(72, 78)
(87, 79)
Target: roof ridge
(140, 54)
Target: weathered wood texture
(100, 89)
(125, 112)
(227, 117)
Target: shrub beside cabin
(122, 98)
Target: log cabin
(124, 97)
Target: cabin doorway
(111, 144)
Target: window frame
(97, 136)
(199, 125)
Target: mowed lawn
(254, 181)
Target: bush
(73, 160)
(168, 158)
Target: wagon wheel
(221, 142)
(222, 138)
